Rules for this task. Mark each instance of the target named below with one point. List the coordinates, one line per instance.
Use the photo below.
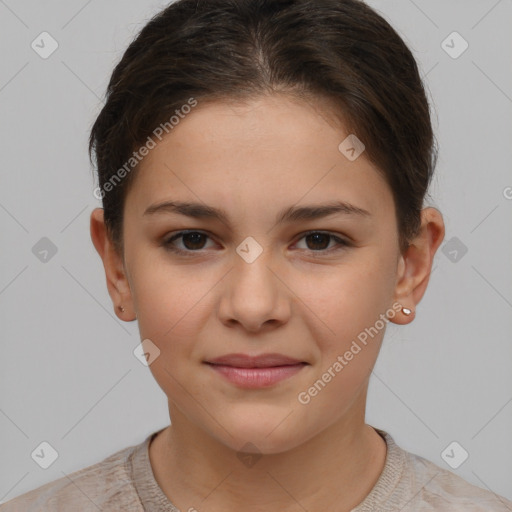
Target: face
(304, 284)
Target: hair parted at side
(222, 50)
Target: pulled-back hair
(209, 50)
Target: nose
(255, 296)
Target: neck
(334, 470)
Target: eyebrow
(290, 214)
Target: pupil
(194, 237)
(316, 236)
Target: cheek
(168, 297)
(347, 329)
(347, 299)
(171, 315)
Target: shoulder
(432, 487)
(106, 486)
(411, 483)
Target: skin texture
(301, 297)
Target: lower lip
(257, 377)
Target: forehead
(265, 153)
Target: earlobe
(415, 265)
(405, 315)
(117, 282)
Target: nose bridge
(251, 271)
(254, 294)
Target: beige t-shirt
(124, 481)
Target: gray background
(68, 375)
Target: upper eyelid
(178, 234)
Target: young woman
(263, 166)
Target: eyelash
(167, 243)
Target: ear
(415, 265)
(115, 272)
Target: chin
(260, 434)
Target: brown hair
(238, 49)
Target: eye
(319, 241)
(193, 241)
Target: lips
(253, 372)
(261, 361)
